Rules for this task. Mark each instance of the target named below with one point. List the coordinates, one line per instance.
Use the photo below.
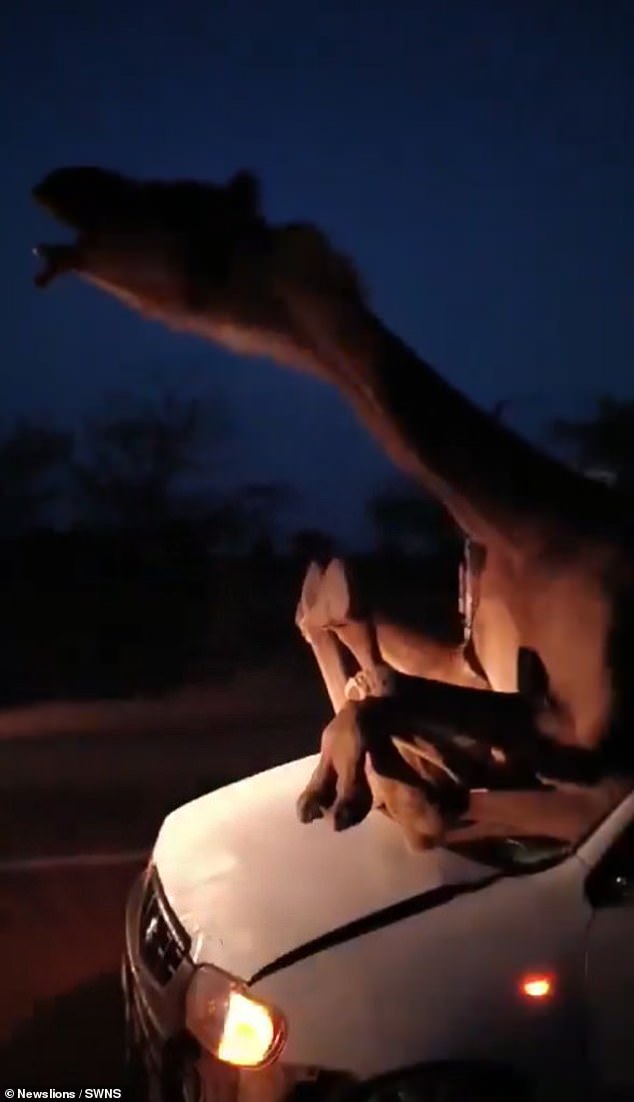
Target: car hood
(250, 883)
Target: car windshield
(526, 831)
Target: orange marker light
(537, 986)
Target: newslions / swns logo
(53, 1092)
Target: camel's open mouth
(54, 261)
(83, 198)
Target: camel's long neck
(495, 485)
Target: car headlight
(229, 1023)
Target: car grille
(163, 943)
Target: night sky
(475, 158)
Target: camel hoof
(351, 812)
(309, 806)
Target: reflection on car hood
(250, 883)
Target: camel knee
(304, 614)
(327, 603)
(325, 600)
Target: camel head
(143, 238)
(201, 257)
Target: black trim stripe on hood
(414, 905)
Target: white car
(272, 961)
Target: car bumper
(166, 1063)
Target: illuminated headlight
(229, 1023)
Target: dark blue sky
(475, 158)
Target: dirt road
(61, 937)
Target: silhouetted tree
(141, 459)
(33, 461)
(262, 506)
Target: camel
(556, 584)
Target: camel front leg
(420, 797)
(509, 723)
(313, 617)
(383, 650)
(430, 713)
(321, 791)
